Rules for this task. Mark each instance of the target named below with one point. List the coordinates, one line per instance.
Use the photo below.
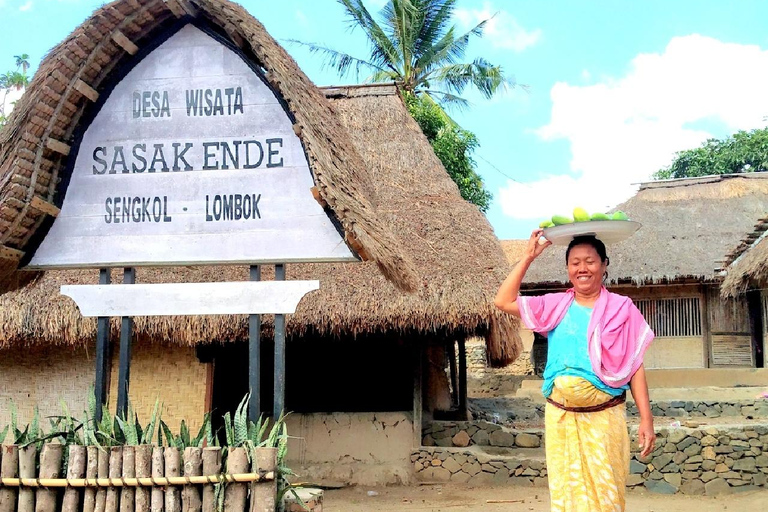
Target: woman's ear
(607, 261)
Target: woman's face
(585, 270)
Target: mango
(559, 220)
(580, 215)
(620, 216)
(600, 216)
(546, 224)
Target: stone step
(479, 433)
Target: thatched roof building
(689, 227)
(748, 263)
(42, 129)
(374, 168)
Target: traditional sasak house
(367, 354)
(673, 269)
(747, 278)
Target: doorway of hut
(366, 374)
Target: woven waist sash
(613, 402)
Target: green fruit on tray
(600, 216)
(580, 215)
(620, 216)
(559, 220)
(546, 224)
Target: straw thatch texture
(458, 259)
(40, 129)
(513, 249)
(689, 227)
(748, 264)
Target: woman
(596, 342)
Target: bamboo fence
(136, 479)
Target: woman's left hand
(646, 437)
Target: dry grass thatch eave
(749, 270)
(458, 260)
(52, 107)
(689, 227)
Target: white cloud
(502, 30)
(623, 130)
(301, 18)
(27, 6)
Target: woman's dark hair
(598, 245)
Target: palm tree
(415, 45)
(22, 61)
(15, 79)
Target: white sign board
(191, 159)
(234, 298)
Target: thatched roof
(458, 259)
(513, 249)
(41, 128)
(748, 263)
(689, 227)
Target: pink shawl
(618, 333)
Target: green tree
(13, 80)
(22, 61)
(741, 152)
(415, 44)
(453, 146)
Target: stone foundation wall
(709, 460)
(446, 465)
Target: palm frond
(342, 62)
(446, 99)
(437, 15)
(383, 52)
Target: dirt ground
(455, 498)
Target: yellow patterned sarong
(587, 453)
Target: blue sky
(614, 87)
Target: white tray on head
(608, 231)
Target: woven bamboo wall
(44, 376)
(172, 374)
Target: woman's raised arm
(506, 297)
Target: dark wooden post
(418, 407)
(102, 352)
(254, 356)
(124, 374)
(462, 378)
(279, 393)
(452, 366)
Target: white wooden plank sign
(191, 159)
(233, 298)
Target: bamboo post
(75, 469)
(115, 471)
(128, 494)
(172, 468)
(27, 466)
(158, 471)
(264, 494)
(193, 466)
(211, 466)
(235, 494)
(143, 469)
(103, 472)
(50, 467)
(9, 469)
(91, 471)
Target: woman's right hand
(535, 246)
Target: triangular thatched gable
(41, 129)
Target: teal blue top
(568, 351)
